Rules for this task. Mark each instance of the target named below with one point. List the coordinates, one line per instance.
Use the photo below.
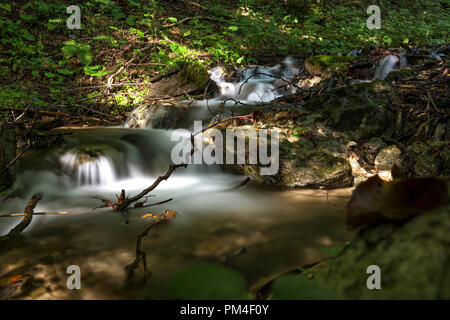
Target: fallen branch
(123, 201)
(55, 113)
(28, 215)
(269, 75)
(141, 255)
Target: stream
(273, 230)
(279, 229)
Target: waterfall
(253, 84)
(387, 64)
(88, 169)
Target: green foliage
(208, 281)
(81, 51)
(16, 96)
(36, 46)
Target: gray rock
(387, 157)
(158, 115)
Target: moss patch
(413, 258)
(328, 65)
(361, 110)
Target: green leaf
(138, 32)
(233, 28)
(5, 6)
(50, 75)
(65, 72)
(94, 71)
(208, 281)
(172, 19)
(299, 287)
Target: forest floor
(99, 73)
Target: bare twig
(13, 161)
(141, 255)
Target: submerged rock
(84, 154)
(413, 256)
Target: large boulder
(301, 163)
(413, 256)
(359, 111)
(157, 115)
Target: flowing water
(279, 229)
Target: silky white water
(280, 229)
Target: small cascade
(88, 168)
(387, 64)
(253, 84)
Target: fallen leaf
(375, 200)
(15, 278)
(151, 215)
(169, 215)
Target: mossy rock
(300, 165)
(396, 75)
(157, 115)
(328, 65)
(195, 72)
(429, 159)
(413, 257)
(314, 169)
(387, 157)
(360, 110)
(88, 153)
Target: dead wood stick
(158, 180)
(54, 113)
(141, 255)
(15, 159)
(241, 184)
(34, 214)
(26, 219)
(123, 202)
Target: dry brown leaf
(150, 215)
(374, 199)
(169, 215)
